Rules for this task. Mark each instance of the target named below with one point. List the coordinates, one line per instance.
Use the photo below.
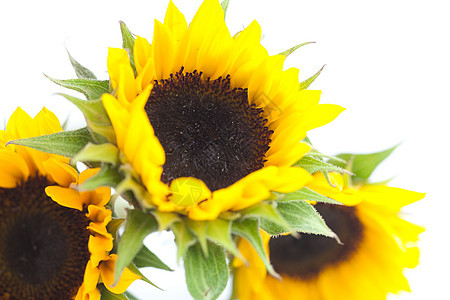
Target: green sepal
(184, 238)
(199, 228)
(219, 231)
(363, 165)
(249, 229)
(136, 271)
(96, 117)
(304, 194)
(107, 176)
(131, 296)
(107, 295)
(106, 152)
(313, 164)
(206, 276)
(65, 143)
(146, 258)
(138, 225)
(266, 211)
(224, 5)
(113, 226)
(165, 219)
(301, 217)
(128, 43)
(81, 71)
(91, 88)
(306, 83)
(289, 51)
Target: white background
(387, 62)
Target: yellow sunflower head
(376, 245)
(53, 238)
(210, 122)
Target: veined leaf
(364, 164)
(305, 194)
(146, 258)
(301, 217)
(249, 229)
(92, 89)
(138, 225)
(106, 152)
(312, 165)
(289, 51)
(128, 43)
(267, 212)
(81, 71)
(65, 143)
(206, 276)
(305, 84)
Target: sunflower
(210, 122)
(53, 238)
(376, 245)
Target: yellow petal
(142, 52)
(66, 197)
(187, 191)
(320, 115)
(63, 174)
(13, 169)
(107, 272)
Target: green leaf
(81, 71)
(289, 51)
(206, 276)
(107, 295)
(106, 152)
(305, 84)
(219, 231)
(266, 211)
(92, 89)
(183, 238)
(96, 117)
(305, 194)
(312, 165)
(364, 164)
(114, 225)
(107, 176)
(146, 258)
(199, 228)
(138, 225)
(128, 43)
(224, 5)
(130, 296)
(249, 229)
(301, 217)
(65, 143)
(136, 271)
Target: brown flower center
(308, 255)
(207, 129)
(43, 246)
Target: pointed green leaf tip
(146, 258)
(206, 276)
(107, 295)
(81, 71)
(128, 42)
(249, 230)
(224, 5)
(305, 84)
(291, 50)
(138, 225)
(363, 165)
(65, 143)
(90, 88)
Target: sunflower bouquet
(201, 133)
